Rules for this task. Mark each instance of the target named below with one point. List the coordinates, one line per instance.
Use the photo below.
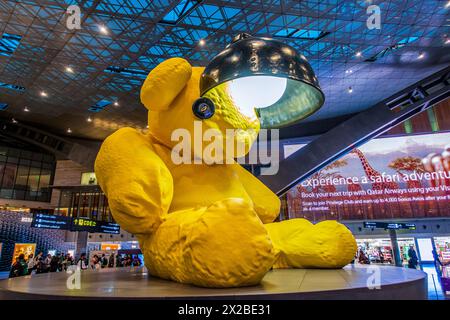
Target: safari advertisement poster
(382, 179)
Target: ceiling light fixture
(69, 69)
(13, 120)
(358, 54)
(270, 81)
(69, 130)
(26, 109)
(44, 94)
(116, 103)
(350, 89)
(89, 119)
(202, 42)
(103, 29)
(421, 56)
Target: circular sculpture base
(352, 282)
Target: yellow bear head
(169, 93)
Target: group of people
(128, 261)
(114, 260)
(40, 264)
(413, 260)
(59, 262)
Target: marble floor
(351, 282)
(435, 291)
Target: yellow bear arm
(164, 83)
(265, 202)
(136, 181)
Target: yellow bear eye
(203, 108)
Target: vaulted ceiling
(57, 78)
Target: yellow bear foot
(300, 244)
(223, 245)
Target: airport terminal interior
(351, 102)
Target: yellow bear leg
(223, 245)
(327, 244)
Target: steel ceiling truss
(138, 40)
(358, 130)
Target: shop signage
(389, 225)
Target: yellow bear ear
(164, 83)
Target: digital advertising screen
(382, 179)
(23, 248)
(88, 178)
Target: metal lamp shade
(249, 56)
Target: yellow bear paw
(328, 244)
(223, 245)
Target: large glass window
(25, 175)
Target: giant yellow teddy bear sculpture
(207, 225)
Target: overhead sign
(389, 225)
(83, 224)
(108, 227)
(94, 226)
(48, 221)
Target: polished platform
(348, 283)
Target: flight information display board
(94, 226)
(83, 224)
(389, 225)
(108, 227)
(48, 221)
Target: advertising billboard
(383, 179)
(23, 248)
(88, 178)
